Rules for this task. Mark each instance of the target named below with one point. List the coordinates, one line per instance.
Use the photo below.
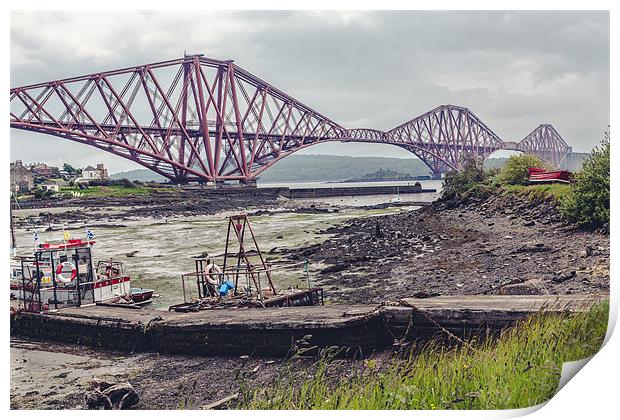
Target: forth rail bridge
(197, 119)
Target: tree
(515, 170)
(457, 183)
(588, 205)
(69, 169)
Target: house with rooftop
(89, 173)
(45, 171)
(22, 179)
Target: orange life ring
(60, 269)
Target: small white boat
(396, 198)
(64, 274)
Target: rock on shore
(503, 245)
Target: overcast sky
(514, 70)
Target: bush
(122, 182)
(98, 182)
(40, 193)
(471, 181)
(588, 205)
(515, 170)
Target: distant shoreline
(346, 181)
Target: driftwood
(219, 403)
(107, 396)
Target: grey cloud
(373, 68)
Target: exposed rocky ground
(58, 376)
(111, 211)
(173, 202)
(504, 245)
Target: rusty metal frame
(238, 224)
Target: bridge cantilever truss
(444, 136)
(200, 119)
(547, 143)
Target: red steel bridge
(205, 120)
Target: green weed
(520, 368)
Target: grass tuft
(109, 191)
(540, 192)
(518, 369)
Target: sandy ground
(58, 376)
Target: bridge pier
(248, 183)
(221, 184)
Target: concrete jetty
(274, 331)
(332, 190)
(340, 191)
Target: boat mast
(13, 243)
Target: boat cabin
(64, 274)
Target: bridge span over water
(206, 120)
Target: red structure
(205, 120)
(541, 175)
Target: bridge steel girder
(546, 143)
(445, 136)
(192, 119)
(197, 119)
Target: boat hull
(106, 290)
(140, 295)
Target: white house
(50, 186)
(89, 173)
